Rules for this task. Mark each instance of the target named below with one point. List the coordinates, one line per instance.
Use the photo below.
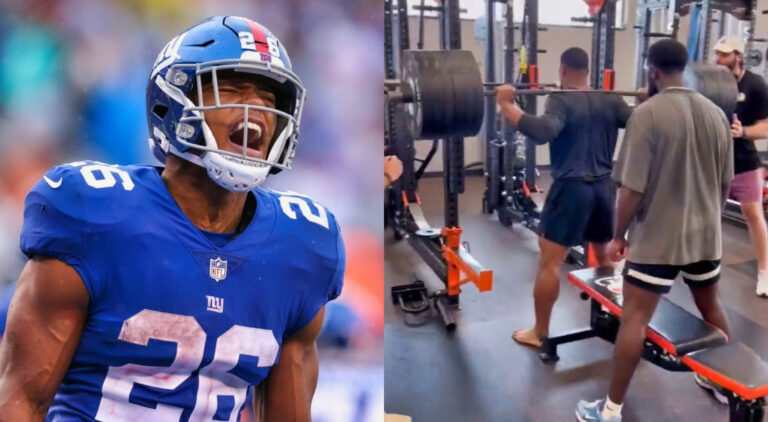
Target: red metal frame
(609, 79)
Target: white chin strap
(232, 175)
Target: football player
(165, 293)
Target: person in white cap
(749, 124)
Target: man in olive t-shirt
(674, 168)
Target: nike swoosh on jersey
(51, 183)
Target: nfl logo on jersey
(218, 270)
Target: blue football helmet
(202, 53)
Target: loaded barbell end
(398, 92)
(392, 84)
(399, 97)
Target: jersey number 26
(214, 379)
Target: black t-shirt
(581, 130)
(752, 106)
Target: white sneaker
(762, 283)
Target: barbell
(522, 85)
(529, 92)
(443, 92)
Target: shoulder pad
(88, 191)
(304, 210)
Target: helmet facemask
(237, 171)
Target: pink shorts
(748, 186)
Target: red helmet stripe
(258, 36)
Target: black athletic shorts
(578, 211)
(659, 278)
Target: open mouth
(252, 131)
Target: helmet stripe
(258, 36)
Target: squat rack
(603, 42)
(441, 249)
(510, 165)
(648, 12)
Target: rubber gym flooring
(478, 373)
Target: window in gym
(548, 15)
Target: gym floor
(478, 373)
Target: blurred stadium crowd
(72, 85)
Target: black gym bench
(677, 341)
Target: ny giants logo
(215, 304)
(169, 54)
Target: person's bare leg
(601, 254)
(637, 310)
(545, 292)
(708, 302)
(753, 213)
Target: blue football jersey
(178, 328)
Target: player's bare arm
(45, 321)
(286, 395)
